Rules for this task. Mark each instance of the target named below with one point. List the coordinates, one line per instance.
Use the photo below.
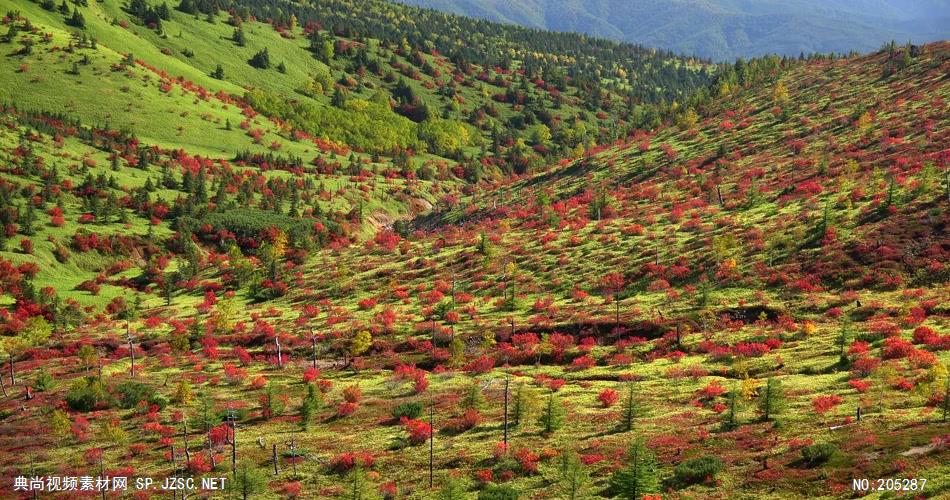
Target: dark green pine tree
(339, 97)
(77, 20)
(630, 409)
(730, 419)
(521, 404)
(169, 285)
(238, 37)
(188, 7)
(310, 405)
(261, 60)
(772, 399)
(552, 415)
(473, 397)
(28, 220)
(164, 12)
(221, 196)
(218, 73)
(638, 477)
(201, 187)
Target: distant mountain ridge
(726, 29)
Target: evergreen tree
(631, 409)
(453, 489)
(77, 20)
(271, 405)
(218, 73)
(844, 338)
(164, 12)
(730, 419)
(638, 477)
(571, 477)
(261, 60)
(522, 404)
(339, 97)
(188, 7)
(359, 487)
(311, 403)
(28, 220)
(552, 415)
(498, 492)
(473, 398)
(248, 480)
(772, 399)
(238, 37)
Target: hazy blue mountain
(725, 29)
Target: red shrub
(858, 348)
(471, 418)
(259, 382)
(896, 348)
(860, 385)
(925, 335)
(822, 404)
(234, 375)
(346, 409)
(242, 355)
(310, 374)
(421, 383)
(527, 459)
(352, 394)
(347, 461)
(608, 397)
(292, 489)
(713, 390)
(481, 365)
(584, 362)
(418, 430)
(864, 366)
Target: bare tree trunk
(293, 451)
(210, 449)
(507, 378)
(185, 438)
(431, 442)
(132, 354)
(313, 342)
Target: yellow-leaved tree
(361, 343)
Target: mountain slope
(726, 29)
(363, 84)
(785, 235)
